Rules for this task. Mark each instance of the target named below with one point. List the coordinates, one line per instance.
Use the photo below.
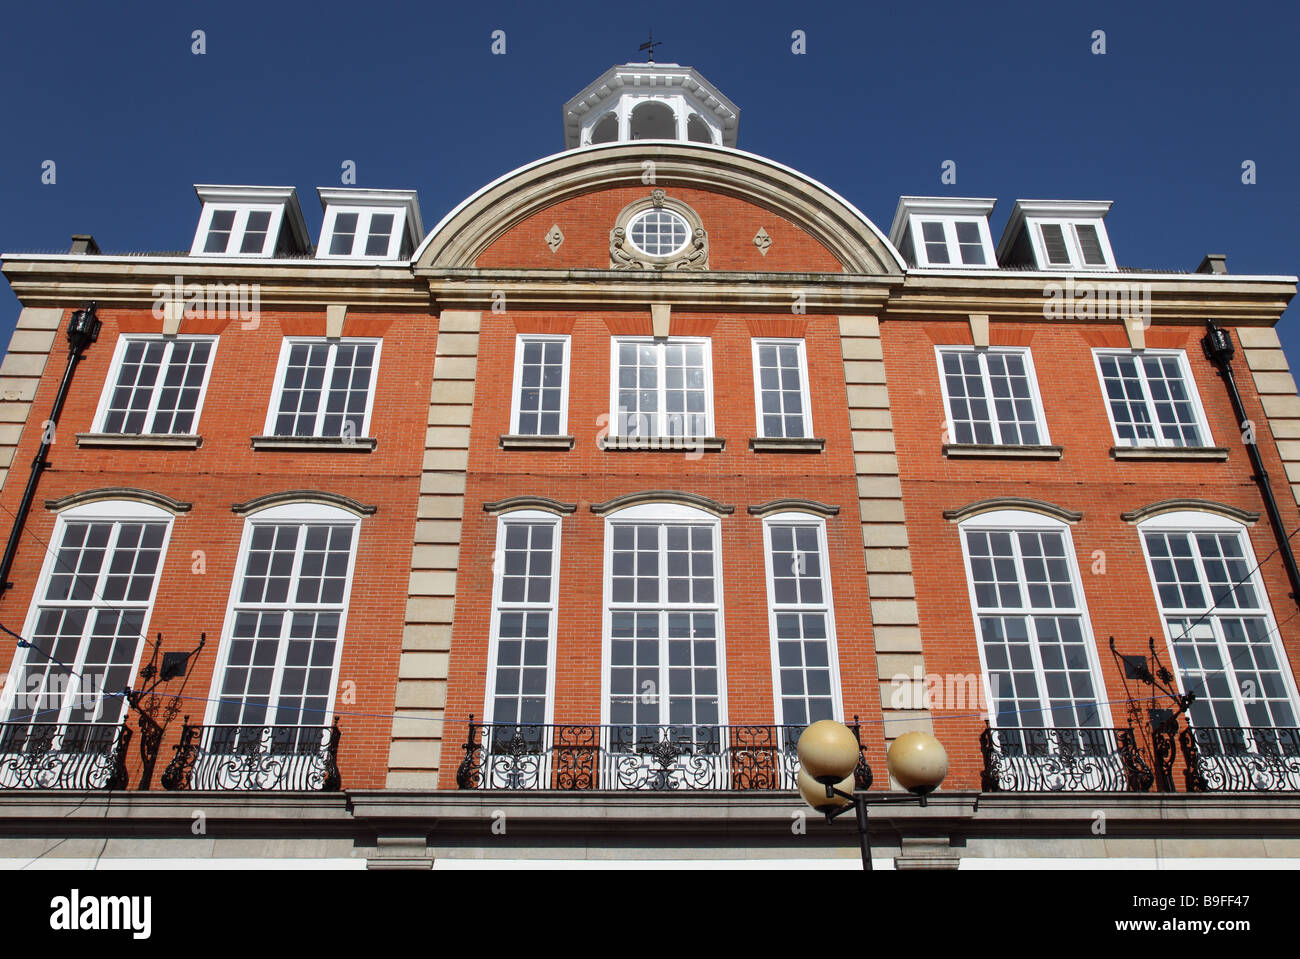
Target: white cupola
(650, 101)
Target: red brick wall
(1120, 601)
(586, 475)
(586, 221)
(224, 471)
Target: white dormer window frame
(238, 227)
(952, 240)
(1073, 245)
(362, 235)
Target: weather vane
(650, 46)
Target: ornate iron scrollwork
(1062, 759)
(521, 756)
(63, 755)
(256, 758)
(1241, 759)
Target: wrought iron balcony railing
(635, 757)
(255, 758)
(63, 755)
(1241, 759)
(1061, 760)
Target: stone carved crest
(554, 237)
(624, 255)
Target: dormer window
(1057, 235)
(944, 232)
(369, 224)
(1076, 245)
(249, 221)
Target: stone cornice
(472, 289)
(129, 281)
(1019, 295)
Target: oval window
(659, 232)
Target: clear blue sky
(1160, 124)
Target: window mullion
(151, 414)
(1046, 720)
(331, 357)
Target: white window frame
(523, 517)
(1069, 230)
(804, 389)
(282, 367)
(949, 224)
(616, 419)
(643, 214)
(805, 520)
(236, 240)
(359, 239)
(115, 371)
(667, 514)
(1202, 422)
(300, 514)
(104, 511)
(1016, 521)
(1040, 417)
(1193, 522)
(517, 384)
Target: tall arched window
(1221, 635)
(1036, 645)
(283, 634)
(86, 626)
(664, 669)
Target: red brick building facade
(543, 533)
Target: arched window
(1036, 648)
(653, 120)
(664, 669)
(697, 131)
(87, 626)
(283, 635)
(1221, 634)
(805, 664)
(606, 129)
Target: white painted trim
(289, 513)
(804, 378)
(523, 517)
(949, 224)
(1040, 415)
(795, 518)
(1069, 230)
(1202, 422)
(236, 238)
(517, 382)
(115, 371)
(362, 235)
(282, 366)
(1014, 521)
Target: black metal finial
(650, 45)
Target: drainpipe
(83, 329)
(1219, 350)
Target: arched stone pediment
(473, 226)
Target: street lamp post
(828, 754)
